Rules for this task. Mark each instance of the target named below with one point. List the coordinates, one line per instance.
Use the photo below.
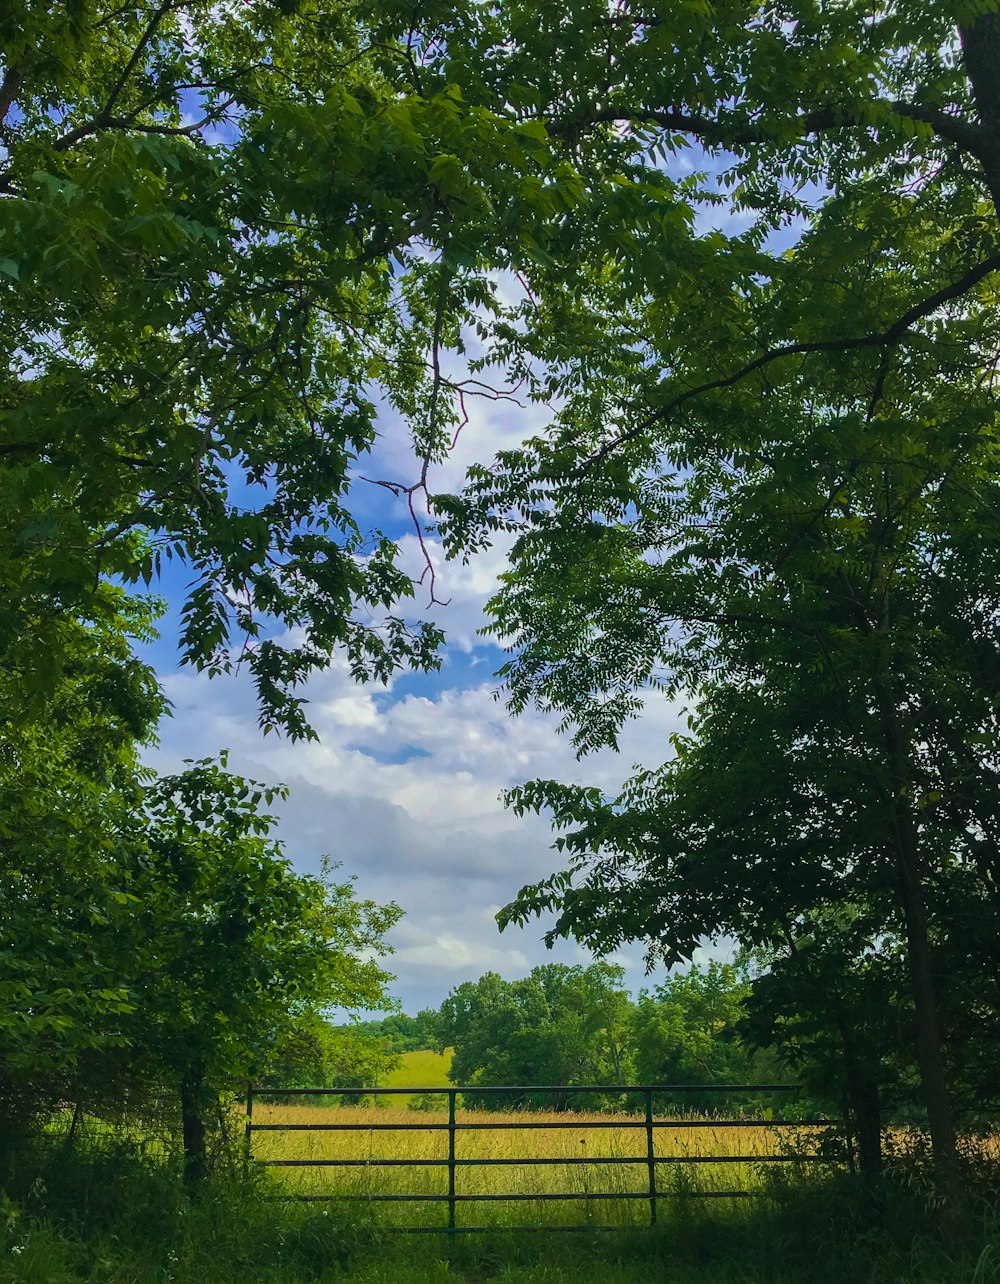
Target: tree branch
(883, 339)
(128, 122)
(738, 133)
(158, 16)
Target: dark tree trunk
(864, 1107)
(981, 52)
(866, 1111)
(617, 1059)
(193, 1127)
(933, 1080)
(930, 1057)
(75, 1123)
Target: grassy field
(105, 1212)
(692, 1162)
(421, 1070)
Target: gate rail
(648, 1123)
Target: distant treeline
(579, 1025)
(400, 1033)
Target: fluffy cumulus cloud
(403, 787)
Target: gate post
(650, 1157)
(452, 1093)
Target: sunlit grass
(423, 1069)
(689, 1153)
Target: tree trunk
(933, 1080)
(866, 1110)
(930, 1058)
(862, 1107)
(193, 1127)
(981, 53)
(74, 1124)
(617, 1059)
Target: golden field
(576, 1142)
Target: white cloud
(404, 789)
(404, 784)
(461, 590)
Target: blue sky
(403, 786)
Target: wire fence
(647, 1125)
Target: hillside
(421, 1070)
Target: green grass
(105, 1212)
(421, 1070)
(125, 1221)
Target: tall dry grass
(691, 1151)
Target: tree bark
(193, 1127)
(863, 1104)
(74, 1124)
(981, 54)
(866, 1110)
(930, 1057)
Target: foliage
(687, 1031)
(239, 939)
(232, 948)
(559, 1025)
(576, 1025)
(173, 948)
(770, 491)
(399, 1032)
(69, 792)
(313, 1053)
(228, 237)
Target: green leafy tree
(70, 792)
(233, 949)
(687, 1031)
(154, 938)
(313, 1053)
(839, 1013)
(559, 1025)
(400, 1032)
(771, 491)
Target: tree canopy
(579, 1026)
(157, 942)
(229, 238)
(558, 1025)
(770, 492)
(756, 252)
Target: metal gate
(647, 1125)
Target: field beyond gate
(610, 1170)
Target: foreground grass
(104, 1213)
(228, 1237)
